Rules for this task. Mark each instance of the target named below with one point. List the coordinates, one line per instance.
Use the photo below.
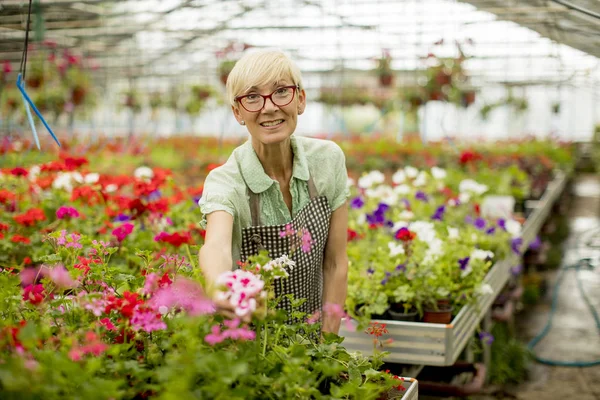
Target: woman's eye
(281, 91)
(252, 97)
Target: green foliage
(510, 358)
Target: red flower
(3, 227)
(72, 163)
(477, 209)
(34, 294)
(164, 281)
(175, 239)
(84, 264)
(468, 156)
(376, 329)
(27, 261)
(20, 239)
(212, 166)
(18, 171)
(6, 196)
(352, 235)
(30, 217)
(87, 194)
(125, 305)
(159, 206)
(405, 235)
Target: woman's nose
(269, 106)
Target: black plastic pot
(435, 381)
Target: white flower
(478, 254)
(362, 218)
(425, 231)
(111, 187)
(91, 178)
(402, 189)
(411, 172)
(34, 172)
(368, 180)
(143, 173)
(438, 173)
(452, 203)
(469, 185)
(434, 251)
(464, 198)
(452, 233)
(395, 249)
(399, 225)
(399, 177)
(163, 310)
(485, 289)
(513, 227)
(466, 271)
(64, 180)
(406, 215)
(350, 182)
(421, 179)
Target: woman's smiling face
(272, 124)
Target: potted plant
(384, 69)
(224, 69)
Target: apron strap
(254, 208)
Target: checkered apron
(305, 281)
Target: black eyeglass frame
(238, 99)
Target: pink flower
(185, 294)
(151, 284)
(61, 277)
(337, 311)
(66, 212)
(123, 231)
(6, 67)
(28, 275)
(307, 241)
(147, 320)
(241, 288)
(214, 337)
(105, 322)
(289, 231)
(314, 318)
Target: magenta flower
(66, 212)
(215, 336)
(123, 231)
(147, 320)
(289, 231)
(307, 241)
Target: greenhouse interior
(300, 199)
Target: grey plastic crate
(440, 344)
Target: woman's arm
(335, 266)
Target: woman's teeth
(272, 123)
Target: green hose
(577, 267)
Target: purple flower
(515, 245)
(370, 271)
(406, 203)
(154, 195)
(386, 279)
(122, 218)
(502, 223)
(491, 231)
(378, 216)
(468, 220)
(486, 337)
(357, 202)
(439, 213)
(401, 267)
(479, 223)
(389, 223)
(536, 244)
(382, 208)
(421, 196)
(516, 270)
(463, 262)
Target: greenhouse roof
(524, 42)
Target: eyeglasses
(255, 102)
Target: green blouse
(225, 186)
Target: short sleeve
(341, 191)
(217, 195)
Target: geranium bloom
(242, 287)
(147, 320)
(20, 239)
(288, 231)
(123, 231)
(6, 196)
(66, 212)
(30, 217)
(34, 294)
(19, 171)
(376, 329)
(185, 294)
(175, 239)
(125, 305)
(405, 235)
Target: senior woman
(274, 179)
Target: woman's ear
(301, 101)
(238, 115)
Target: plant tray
(440, 344)
(412, 389)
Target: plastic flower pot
(442, 381)
(410, 316)
(441, 315)
(386, 80)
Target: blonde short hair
(260, 68)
